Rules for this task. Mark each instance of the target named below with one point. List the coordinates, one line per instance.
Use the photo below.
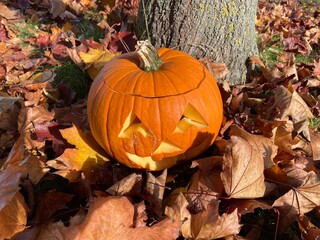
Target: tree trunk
(223, 31)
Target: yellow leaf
(95, 59)
(86, 156)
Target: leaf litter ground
(259, 180)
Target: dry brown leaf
(265, 70)
(178, 212)
(58, 8)
(300, 200)
(7, 12)
(292, 105)
(315, 144)
(108, 218)
(207, 224)
(154, 191)
(242, 170)
(27, 116)
(13, 217)
(210, 225)
(113, 218)
(126, 186)
(265, 145)
(205, 185)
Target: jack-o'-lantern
(152, 109)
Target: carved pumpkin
(152, 118)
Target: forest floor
(259, 180)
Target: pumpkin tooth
(167, 147)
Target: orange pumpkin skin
(153, 120)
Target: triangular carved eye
(133, 124)
(190, 117)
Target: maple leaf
(205, 184)
(49, 130)
(86, 154)
(291, 104)
(43, 41)
(242, 170)
(265, 145)
(95, 59)
(13, 217)
(299, 200)
(207, 224)
(108, 218)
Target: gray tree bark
(221, 30)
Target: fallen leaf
(300, 200)
(242, 170)
(225, 225)
(27, 116)
(8, 13)
(154, 190)
(7, 102)
(265, 145)
(85, 156)
(291, 104)
(315, 144)
(95, 59)
(58, 8)
(245, 206)
(13, 217)
(113, 218)
(126, 186)
(50, 202)
(207, 224)
(205, 186)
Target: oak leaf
(242, 170)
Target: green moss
(314, 123)
(270, 55)
(300, 58)
(76, 79)
(26, 30)
(89, 30)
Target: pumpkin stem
(149, 58)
